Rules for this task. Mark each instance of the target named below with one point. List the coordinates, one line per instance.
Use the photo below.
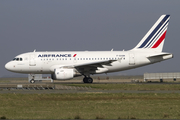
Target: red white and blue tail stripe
(154, 38)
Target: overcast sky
(79, 25)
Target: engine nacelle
(63, 74)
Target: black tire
(89, 80)
(85, 79)
(32, 81)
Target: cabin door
(32, 61)
(131, 59)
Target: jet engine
(63, 74)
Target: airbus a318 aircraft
(67, 65)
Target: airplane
(69, 64)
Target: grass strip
(90, 106)
(129, 86)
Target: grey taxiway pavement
(43, 88)
(22, 86)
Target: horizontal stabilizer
(160, 55)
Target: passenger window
(20, 59)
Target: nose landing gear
(32, 81)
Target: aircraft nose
(8, 66)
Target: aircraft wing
(85, 67)
(93, 66)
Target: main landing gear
(87, 80)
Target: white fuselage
(46, 62)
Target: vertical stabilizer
(154, 38)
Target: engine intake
(63, 74)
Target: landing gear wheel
(87, 80)
(32, 81)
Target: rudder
(154, 38)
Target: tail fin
(154, 38)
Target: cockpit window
(17, 59)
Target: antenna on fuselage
(34, 50)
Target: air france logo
(56, 55)
(74, 55)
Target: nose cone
(9, 66)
